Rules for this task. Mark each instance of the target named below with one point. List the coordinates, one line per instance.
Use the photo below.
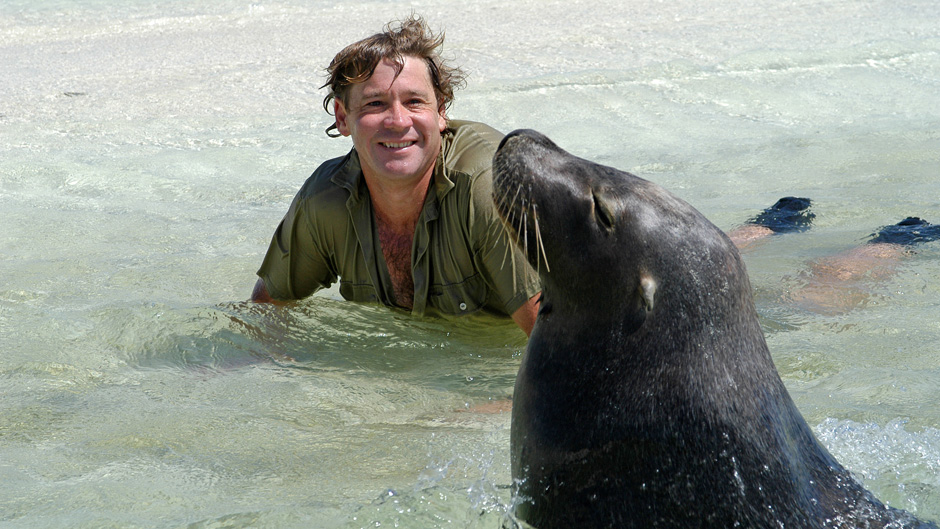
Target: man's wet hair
(408, 38)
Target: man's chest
(396, 249)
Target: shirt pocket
(464, 297)
(363, 292)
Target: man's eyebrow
(368, 94)
(373, 93)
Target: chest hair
(396, 248)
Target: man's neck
(397, 206)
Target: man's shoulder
(329, 186)
(334, 173)
(461, 127)
(471, 147)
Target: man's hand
(260, 293)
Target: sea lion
(647, 396)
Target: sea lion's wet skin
(647, 396)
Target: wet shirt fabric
(462, 258)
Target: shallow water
(148, 150)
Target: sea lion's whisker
(539, 245)
(524, 226)
(512, 202)
(504, 232)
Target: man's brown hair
(409, 38)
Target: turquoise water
(148, 150)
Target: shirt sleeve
(294, 267)
(501, 261)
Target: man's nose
(397, 116)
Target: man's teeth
(397, 145)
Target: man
(406, 218)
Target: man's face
(395, 122)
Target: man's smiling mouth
(398, 145)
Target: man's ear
(339, 111)
(441, 119)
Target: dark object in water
(908, 232)
(789, 214)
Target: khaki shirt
(462, 258)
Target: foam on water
(148, 150)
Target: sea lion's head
(603, 237)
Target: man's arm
(525, 315)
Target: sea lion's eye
(603, 213)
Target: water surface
(148, 150)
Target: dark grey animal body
(647, 396)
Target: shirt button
(463, 306)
